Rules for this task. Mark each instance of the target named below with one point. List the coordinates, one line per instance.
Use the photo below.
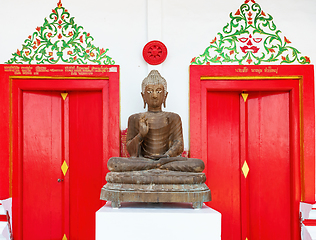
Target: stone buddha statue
(154, 138)
(155, 170)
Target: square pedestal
(143, 221)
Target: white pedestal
(143, 221)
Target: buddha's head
(154, 91)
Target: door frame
(262, 78)
(57, 78)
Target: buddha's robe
(160, 148)
(163, 138)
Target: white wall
(186, 27)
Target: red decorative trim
(3, 218)
(309, 222)
(155, 52)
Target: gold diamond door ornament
(244, 96)
(64, 237)
(64, 95)
(245, 169)
(64, 168)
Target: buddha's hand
(143, 126)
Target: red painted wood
(80, 143)
(81, 118)
(11, 71)
(65, 157)
(307, 103)
(223, 144)
(3, 218)
(309, 222)
(5, 137)
(269, 163)
(42, 196)
(264, 139)
(301, 117)
(107, 89)
(244, 186)
(298, 184)
(86, 162)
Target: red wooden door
(42, 158)
(249, 163)
(86, 167)
(55, 132)
(268, 183)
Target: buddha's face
(154, 96)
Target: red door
(86, 169)
(62, 163)
(267, 187)
(249, 163)
(42, 202)
(223, 170)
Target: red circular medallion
(155, 52)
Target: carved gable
(60, 40)
(251, 37)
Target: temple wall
(124, 27)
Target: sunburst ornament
(251, 37)
(60, 40)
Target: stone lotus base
(155, 186)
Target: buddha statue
(154, 138)
(155, 171)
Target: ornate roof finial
(59, 5)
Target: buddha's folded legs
(184, 164)
(120, 164)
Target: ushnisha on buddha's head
(154, 91)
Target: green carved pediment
(60, 40)
(251, 37)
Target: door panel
(223, 159)
(269, 165)
(257, 131)
(86, 162)
(55, 130)
(42, 194)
